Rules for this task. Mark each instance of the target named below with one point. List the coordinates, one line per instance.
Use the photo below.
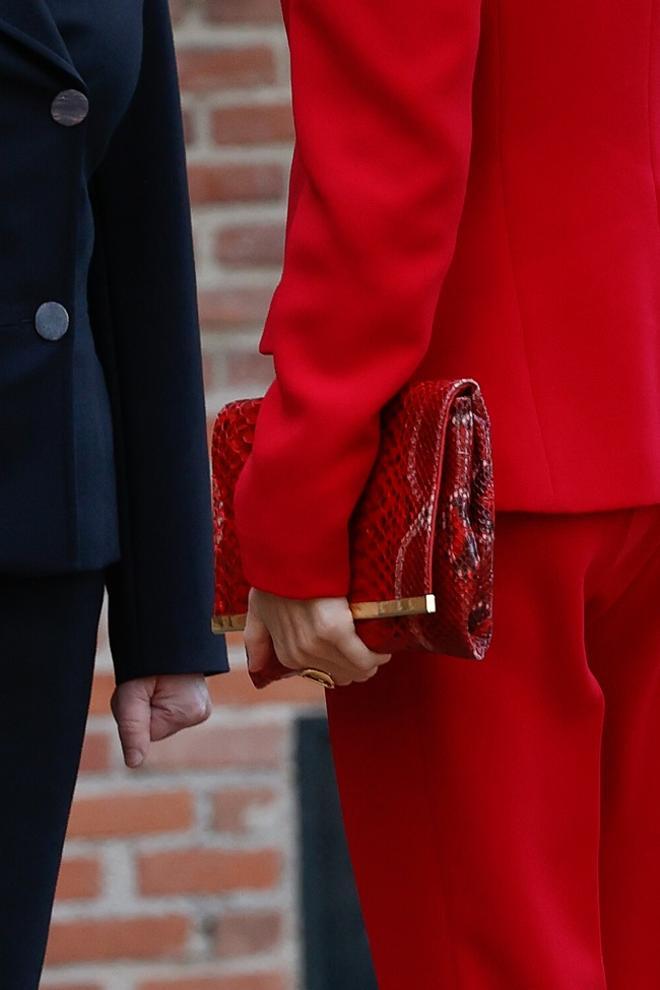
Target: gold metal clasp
(228, 623)
(417, 605)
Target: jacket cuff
(214, 661)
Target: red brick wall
(233, 63)
(183, 875)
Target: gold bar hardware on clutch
(420, 605)
(228, 623)
(397, 606)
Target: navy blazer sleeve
(143, 295)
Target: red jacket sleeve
(382, 112)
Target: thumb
(257, 640)
(131, 707)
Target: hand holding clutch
(314, 638)
(421, 536)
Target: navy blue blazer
(103, 449)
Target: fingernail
(133, 758)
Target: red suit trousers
(503, 816)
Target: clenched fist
(316, 632)
(147, 709)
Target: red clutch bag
(421, 536)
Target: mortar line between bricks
(160, 779)
(205, 37)
(277, 153)
(235, 279)
(238, 96)
(226, 775)
(123, 972)
(273, 211)
(229, 716)
(97, 787)
(213, 345)
(246, 278)
(174, 842)
(222, 905)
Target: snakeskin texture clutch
(421, 536)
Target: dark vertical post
(335, 945)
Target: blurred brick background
(183, 875)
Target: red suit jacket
(474, 192)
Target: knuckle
(329, 623)
(200, 711)
(177, 714)
(250, 637)
(324, 631)
(311, 645)
(364, 664)
(283, 647)
(293, 659)
(130, 725)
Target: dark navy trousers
(48, 630)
